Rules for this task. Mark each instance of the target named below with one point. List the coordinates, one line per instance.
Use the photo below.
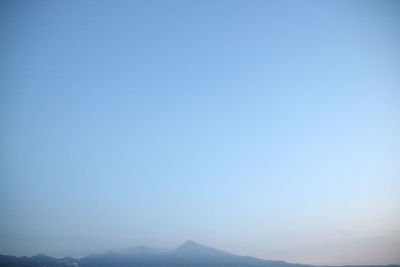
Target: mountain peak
(190, 243)
(193, 247)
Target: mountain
(189, 254)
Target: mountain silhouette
(189, 254)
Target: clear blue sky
(264, 128)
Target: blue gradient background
(264, 128)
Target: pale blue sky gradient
(265, 128)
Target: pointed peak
(193, 247)
(190, 243)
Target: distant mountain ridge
(189, 254)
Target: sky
(263, 128)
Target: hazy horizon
(126, 250)
(261, 128)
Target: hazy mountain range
(190, 254)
